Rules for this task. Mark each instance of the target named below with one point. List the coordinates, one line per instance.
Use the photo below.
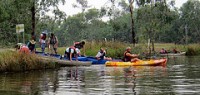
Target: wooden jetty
(48, 59)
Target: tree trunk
(33, 21)
(153, 47)
(132, 21)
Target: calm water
(180, 77)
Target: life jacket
(53, 40)
(31, 46)
(70, 48)
(24, 49)
(126, 58)
(43, 36)
(103, 54)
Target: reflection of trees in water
(130, 78)
(55, 80)
(22, 83)
(75, 74)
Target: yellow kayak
(152, 62)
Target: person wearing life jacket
(42, 41)
(101, 55)
(128, 57)
(80, 45)
(53, 44)
(72, 52)
(31, 45)
(163, 51)
(24, 49)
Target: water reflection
(179, 77)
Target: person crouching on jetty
(22, 48)
(72, 52)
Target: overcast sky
(69, 10)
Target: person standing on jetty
(31, 45)
(53, 44)
(42, 41)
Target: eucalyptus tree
(78, 27)
(190, 21)
(12, 12)
(154, 20)
(28, 12)
(83, 4)
(40, 8)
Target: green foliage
(190, 20)
(157, 21)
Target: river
(180, 76)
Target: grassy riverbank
(116, 49)
(14, 61)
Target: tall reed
(193, 49)
(15, 61)
(114, 49)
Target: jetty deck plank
(49, 59)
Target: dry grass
(15, 61)
(116, 49)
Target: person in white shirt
(101, 55)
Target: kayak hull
(174, 54)
(81, 58)
(152, 62)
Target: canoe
(81, 58)
(174, 54)
(152, 62)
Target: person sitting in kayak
(101, 55)
(175, 51)
(163, 51)
(128, 57)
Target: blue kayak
(81, 58)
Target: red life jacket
(24, 49)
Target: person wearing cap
(31, 45)
(101, 55)
(128, 57)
